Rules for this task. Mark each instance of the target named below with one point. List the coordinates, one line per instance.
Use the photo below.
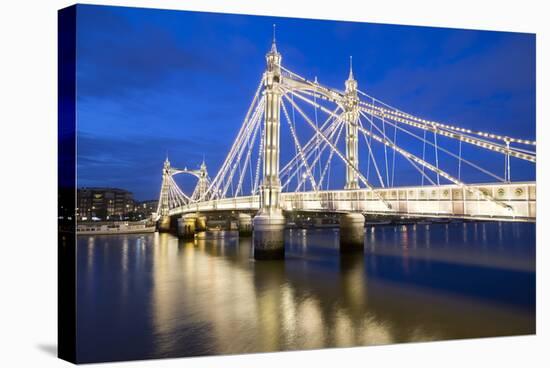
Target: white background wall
(28, 87)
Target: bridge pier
(245, 225)
(164, 224)
(352, 232)
(200, 223)
(187, 226)
(269, 236)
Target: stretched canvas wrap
(232, 184)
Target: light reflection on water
(144, 296)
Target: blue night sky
(152, 82)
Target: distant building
(104, 203)
(145, 208)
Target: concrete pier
(245, 225)
(352, 232)
(164, 224)
(269, 236)
(200, 223)
(187, 226)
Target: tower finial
(273, 43)
(350, 67)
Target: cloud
(135, 162)
(470, 90)
(151, 81)
(116, 56)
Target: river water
(153, 296)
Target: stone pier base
(245, 225)
(352, 232)
(269, 236)
(200, 223)
(163, 224)
(186, 227)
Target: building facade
(104, 203)
(144, 209)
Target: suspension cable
(385, 152)
(330, 131)
(451, 134)
(248, 153)
(329, 161)
(214, 185)
(459, 157)
(371, 153)
(424, 154)
(317, 125)
(426, 141)
(299, 148)
(393, 156)
(419, 161)
(423, 174)
(326, 127)
(399, 113)
(337, 128)
(259, 162)
(436, 156)
(339, 154)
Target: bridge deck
(426, 201)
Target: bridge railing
(427, 201)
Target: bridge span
(449, 201)
(445, 161)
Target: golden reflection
(268, 316)
(124, 259)
(374, 333)
(289, 317)
(207, 291)
(341, 330)
(90, 254)
(405, 254)
(310, 326)
(353, 282)
(124, 267)
(230, 303)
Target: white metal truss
(240, 173)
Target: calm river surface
(152, 296)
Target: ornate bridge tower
(163, 207)
(269, 222)
(271, 185)
(203, 183)
(351, 116)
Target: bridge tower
(203, 183)
(163, 208)
(269, 222)
(352, 235)
(351, 116)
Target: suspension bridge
(327, 128)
